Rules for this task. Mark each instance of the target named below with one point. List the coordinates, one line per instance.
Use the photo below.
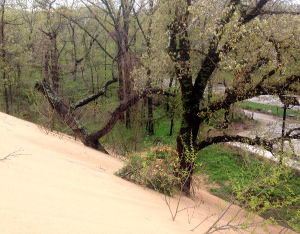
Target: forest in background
(82, 51)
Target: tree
(12, 41)
(68, 116)
(114, 19)
(260, 64)
(149, 12)
(114, 22)
(53, 25)
(250, 41)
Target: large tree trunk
(192, 93)
(186, 142)
(68, 116)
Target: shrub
(154, 169)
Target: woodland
(117, 73)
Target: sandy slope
(57, 185)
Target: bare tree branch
(93, 97)
(87, 32)
(256, 11)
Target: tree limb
(234, 95)
(266, 144)
(93, 97)
(256, 11)
(257, 141)
(123, 107)
(67, 115)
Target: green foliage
(259, 185)
(154, 169)
(162, 133)
(125, 141)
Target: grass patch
(277, 111)
(162, 133)
(229, 168)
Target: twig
(207, 217)
(13, 154)
(103, 169)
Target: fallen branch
(13, 154)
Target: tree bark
(179, 49)
(68, 116)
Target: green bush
(154, 169)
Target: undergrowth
(154, 169)
(276, 194)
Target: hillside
(54, 184)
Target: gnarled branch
(267, 144)
(67, 115)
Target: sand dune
(54, 184)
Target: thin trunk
(283, 133)
(150, 124)
(128, 85)
(172, 125)
(47, 64)
(54, 65)
(121, 84)
(74, 52)
(126, 9)
(5, 93)
(11, 93)
(226, 117)
(209, 90)
(3, 57)
(128, 118)
(121, 81)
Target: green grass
(277, 111)
(162, 133)
(126, 141)
(228, 167)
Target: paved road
(271, 126)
